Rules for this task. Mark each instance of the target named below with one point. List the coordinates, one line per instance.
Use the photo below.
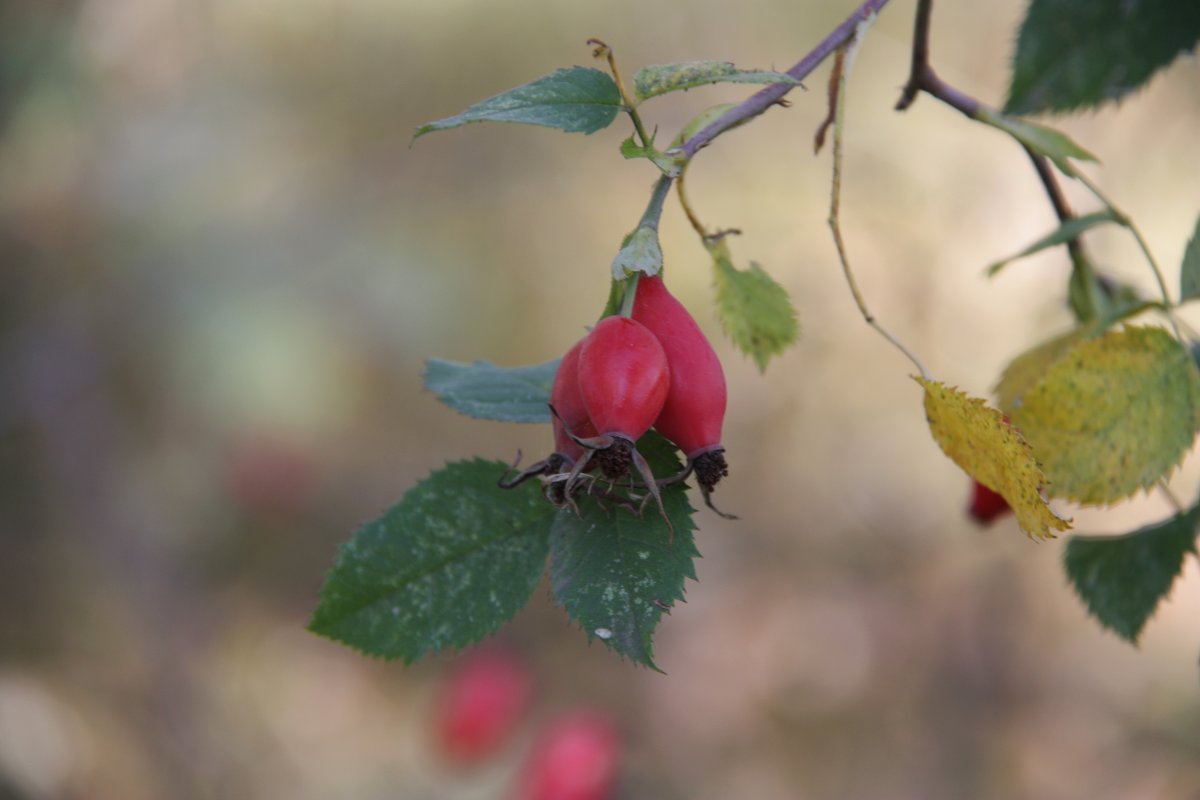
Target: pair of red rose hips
(653, 368)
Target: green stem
(630, 295)
(654, 208)
(1124, 220)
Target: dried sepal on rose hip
(624, 380)
(694, 411)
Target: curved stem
(1123, 219)
(602, 50)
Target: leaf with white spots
(617, 573)
(450, 563)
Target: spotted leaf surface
(575, 99)
(616, 573)
(443, 568)
(1114, 415)
(663, 78)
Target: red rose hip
(694, 411)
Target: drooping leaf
(443, 568)
(1024, 371)
(1041, 139)
(991, 451)
(755, 311)
(659, 79)
(1061, 235)
(1122, 579)
(1190, 271)
(616, 573)
(486, 391)
(1114, 415)
(1075, 54)
(669, 164)
(574, 99)
(640, 252)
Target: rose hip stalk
(623, 380)
(694, 410)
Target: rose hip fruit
(624, 380)
(481, 704)
(570, 414)
(986, 505)
(694, 411)
(575, 758)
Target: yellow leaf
(991, 451)
(1114, 415)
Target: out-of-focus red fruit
(576, 757)
(269, 474)
(986, 505)
(481, 703)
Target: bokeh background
(223, 265)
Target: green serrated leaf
(1113, 415)
(640, 252)
(1063, 234)
(574, 99)
(1043, 140)
(1189, 279)
(1122, 579)
(670, 164)
(660, 79)
(443, 568)
(616, 573)
(755, 311)
(1075, 54)
(486, 391)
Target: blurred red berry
(481, 703)
(575, 758)
(986, 505)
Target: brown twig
(923, 78)
(773, 94)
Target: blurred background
(223, 265)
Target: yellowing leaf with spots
(1114, 415)
(991, 451)
(1024, 371)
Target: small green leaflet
(755, 311)
(616, 573)
(1114, 415)
(701, 121)
(1077, 54)
(1063, 234)
(575, 99)
(669, 164)
(450, 563)
(1043, 140)
(486, 391)
(1190, 271)
(1122, 579)
(660, 79)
